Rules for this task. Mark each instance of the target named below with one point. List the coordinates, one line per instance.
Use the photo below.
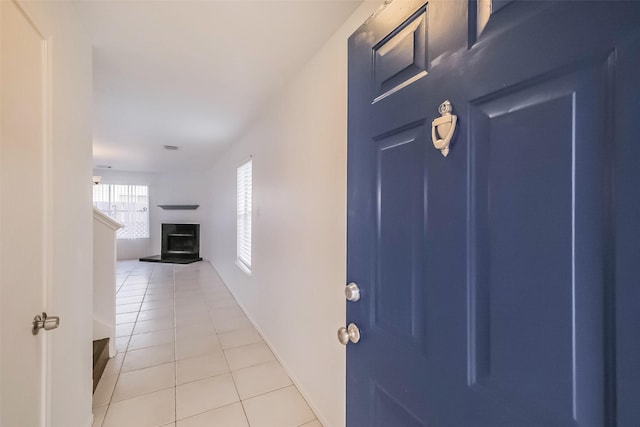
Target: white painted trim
(243, 267)
(47, 205)
(246, 159)
(106, 220)
(47, 226)
(1, 340)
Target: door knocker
(443, 128)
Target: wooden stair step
(100, 359)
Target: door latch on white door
(43, 321)
(443, 128)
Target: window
(127, 204)
(244, 216)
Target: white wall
(71, 296)
(295, 294)
(164, 188)
(182, 189)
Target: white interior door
(23, 217)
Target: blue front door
(501, 283)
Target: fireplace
(180, 244)
(180, 241)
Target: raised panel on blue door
(496, 5)
(536, 306)
(480, 12)
(401, 58)
(400, 232)
(527, 350)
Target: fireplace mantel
(178, 207)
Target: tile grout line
(108, 405)
(229, 372)
(175, 352)
(209, 410)
(235, 385)
(132, 330)
(267, 392)
(134, 322)
(144, 394)
(120, 367)
(109, 402)
(126, 351)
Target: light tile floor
(189, 357)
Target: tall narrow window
(127, 204)
(244, 215)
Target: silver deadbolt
(350, 333)
(352, 292)
(45, 322)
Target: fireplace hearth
(180, 244)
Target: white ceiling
(193, 73)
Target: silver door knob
(352, 292)
(45, 322)
(350, 333)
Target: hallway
(189, 357)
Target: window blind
(244, 194)
(127, 204)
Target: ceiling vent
(171, 147)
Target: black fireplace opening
(180, 244)
(180, 241)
